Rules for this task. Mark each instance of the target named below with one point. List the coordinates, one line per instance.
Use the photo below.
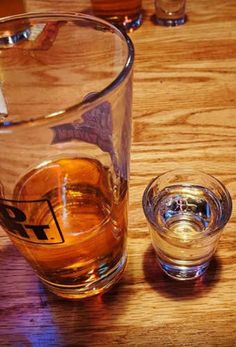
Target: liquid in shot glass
(186, 213)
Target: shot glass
(170, 12)
(186, 213)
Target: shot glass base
(91, 289)
(183, 273)
(170, 22)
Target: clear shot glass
(170, 12)
(186, 213)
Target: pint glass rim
(68, 16)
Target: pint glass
(65, 128)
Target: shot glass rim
(208, 232)
(127, 67)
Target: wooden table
(184, 114)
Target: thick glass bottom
(170, 22)
(130, 26)
(89, 289)
(183, 273)
(127, 24)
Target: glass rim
(127, 67)
(208, 232)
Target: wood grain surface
(184, 115)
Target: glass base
(89, 289)
(129, 25)
(170, 22)
(183, 273)
(15, 38)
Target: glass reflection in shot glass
(186, 212)
(170, 12)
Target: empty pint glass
(65, 128)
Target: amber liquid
(10, 8)
(91, 215)
(117, 10)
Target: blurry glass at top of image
(11, 8)
(170, 12)
(126, 15)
